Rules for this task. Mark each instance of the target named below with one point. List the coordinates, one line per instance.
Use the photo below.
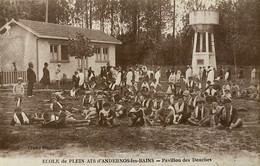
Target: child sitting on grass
(19, 117)
(74, 93)
(57, 122)
(228, 117)
(120, 110)
(38, 116)
(136, 115)
(18, 91)
(235, 90)
(88, 98)
(106, 116)
(89, 112)
(166, 113)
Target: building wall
(38, 51)
(11, 53)
(30, 49)
(67, 67)
(97, 64)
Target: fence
(10, 77)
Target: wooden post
(47, 10)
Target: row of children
(179, 107)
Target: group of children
(183, 102)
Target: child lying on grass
(19, 118)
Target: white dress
(129, 77)
(188, 74)
(226, 75)
(172, 78)
(211, 76)
(118, 78)
(157, 76)
(81, 79)
(178, 76)
(58, 74)
(137, 75)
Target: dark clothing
(226, 117)
(31, 77)
(137, 118)
(217, 87)
(30, 89)
(221, 74)
(168, 73)
(177, 93)
(98, 105)
(46, 76)
(20, 117)
(204, 74)
(103, 118)
(75, 81)
(241, 74)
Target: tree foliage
(144, 27)
(80, 47)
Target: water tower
(203, 21)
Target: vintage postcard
(129, 82)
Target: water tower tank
(203, 21)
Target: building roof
(56, 31)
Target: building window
(54, 52)
(102, 54)
(64, 52)
(59, 53)
(200, 61)
(98, 53)
(105, 53)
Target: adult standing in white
(58, 74)
(81, 78)
(253, 74)
(129, 77)
(137, 75)
(210, 75)
(188, 73)
(178, 75)
(118, 77)
(157, 75)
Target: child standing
(18, 91)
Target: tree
(81, 48)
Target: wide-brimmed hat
(106, 105)
(177, 85)
(99, 97)
(227, 100)
(19, 79)
(200, 100)
(87, 92)
(53, 98)
(193, 93)
(186, 93)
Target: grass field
(123, 141)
